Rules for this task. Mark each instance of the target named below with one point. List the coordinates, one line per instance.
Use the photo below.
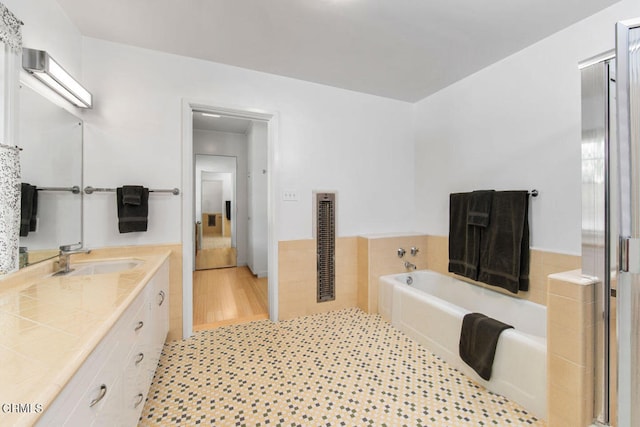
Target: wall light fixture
(47, 70)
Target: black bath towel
(464, 240)
(480, 208)
(28, 200)
(478, 341)
(504, 247)
(131, 217)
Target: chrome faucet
(64, 257)
(409, 266)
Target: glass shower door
(628, 295)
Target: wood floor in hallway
(228, 296)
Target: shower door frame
(598, 216)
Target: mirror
(51, 161)
(215, 211)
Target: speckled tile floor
(344, 368)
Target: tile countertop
(50, 325)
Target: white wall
(508, 119)
(358, 144)
(515, 125)
(258, 192)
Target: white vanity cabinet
(110, 387)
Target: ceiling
(401, 49)
(220, 124)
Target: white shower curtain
(10, 54)
(9, 208)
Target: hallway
(228, 296)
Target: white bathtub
(430, 310)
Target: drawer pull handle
(162, 296)
(139, 325)
(139, 358)
(103, 392)
(140, 398)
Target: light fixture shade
(47, 70)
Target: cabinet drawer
(136, 366)
(135, 326)
(68, 399)
(99, 392)
(111, 413)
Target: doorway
(188, 203)
(216, 217)
(230, 193)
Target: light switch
(290, 195)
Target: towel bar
(89, 190)
(10, 147)
(75, 189)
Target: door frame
(188, 201)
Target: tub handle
(414, 251)
(401, 252)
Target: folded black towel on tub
(478, 341)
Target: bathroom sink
(103, 267)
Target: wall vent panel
(326, 245)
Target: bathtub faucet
(409, 266)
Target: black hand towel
(27, 193)
(504, 249)
(480, 208)
(132, 218)
(478, 341)
(132, 194)
(464, 240)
